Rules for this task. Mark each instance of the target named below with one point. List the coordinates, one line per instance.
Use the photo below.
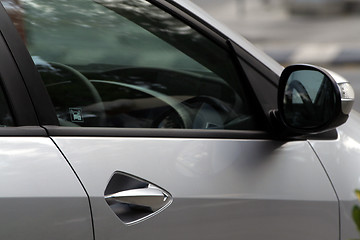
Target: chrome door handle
(133, 199)
(152, 197)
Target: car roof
(241, 41)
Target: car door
(162, 119)
(40, 195)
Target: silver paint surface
(234, 188)
(341, 159)
(40, 197)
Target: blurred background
(321, 32)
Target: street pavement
(323, 40)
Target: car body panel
(341, 161)
(40, 196)
(216, 184)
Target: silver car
(134, 119)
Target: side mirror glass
(312, 99)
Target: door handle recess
(133, 199)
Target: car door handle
(151, 197)
(134, 199)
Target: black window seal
(259, 114)
(23, 131)
(59, 131)
(154, 132)
(269, 75)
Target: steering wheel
(220, 113)
(81, 93)
(304, 95)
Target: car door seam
(82, 185)
(332, 185)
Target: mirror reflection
(309, 99)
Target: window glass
(120, 63)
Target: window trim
(60, 131)
(154, 132)
(23, 131)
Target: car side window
(120, 63)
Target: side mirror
(312, 99)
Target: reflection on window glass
(120, 63)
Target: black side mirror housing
(312, 100)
